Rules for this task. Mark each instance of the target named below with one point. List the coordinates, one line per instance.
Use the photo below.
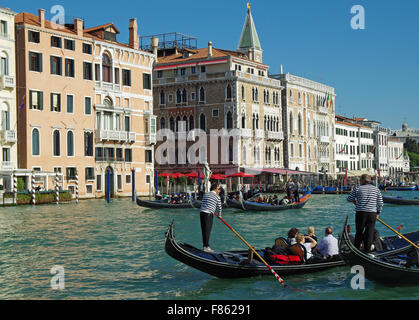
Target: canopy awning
(356, 173)
(279, 171)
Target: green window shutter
(30, 99)
(41, 100)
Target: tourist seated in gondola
(260, 200)
(292, 233)
(275, 201)
(310, 233)
(308, 242)
(284, 201)
(328, 246)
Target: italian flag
(343, 148)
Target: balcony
(275, 136)
(246, 133)
(259, 134)
(107, 86)
(8, 136)
(7, 165)
(324, 159)
(151, 139)
(323, 110)
(7, 82)
(324, 139)
(120, 136)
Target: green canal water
(116, 251)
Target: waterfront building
(398, 161)
(308, 113)
(86, 104)
(405, 133)
(354, 148)
(8, 129)
(214, 89)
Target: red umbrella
(177, 175)
(241, 175)
(218, 177)
(165, 175)
(194, 175)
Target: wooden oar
(251, 248)
(399, 234)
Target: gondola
(236, 264)
(255, 206)
(399, 188)
(161, 204)
(400, 200)
(392, 269)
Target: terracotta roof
(103, 26)
(199, 54)
(33, 19)
(352, 124)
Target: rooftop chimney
(78, 26)
(209, 49)
(154, 46)
(41, 14)
(134, 41)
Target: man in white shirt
(329, 245)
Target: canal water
(116, 251)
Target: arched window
(254, 122)
(257, 121)
(253, 94)
(162, 123)
(202, 94)
(172, 124)
(256, 95)
(265, 126)
(291, 123)
(162, 97)
(184, 96)
(106, 68)
(56, 143)
(70, 144)
(300, 124)
(177, 124)
(36, 150)
(229, 120)
(185, 123)
(228, 92)
(108, 102)
(202, 121)
(191, 123)
(243, 93)
(178, 96)
(243, 120)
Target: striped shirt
(211, 202)
(368, 197)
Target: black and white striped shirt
(368, 197)
(211, 202)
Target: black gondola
(161, 204)
(255, 206)
(400, 200)
(392, 269)
(236, 264)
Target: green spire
(249, 37)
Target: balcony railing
(272, 135)
(107, 86)
(323, 110)
(259, 134)
(246, 133)
(121, 136)
(7, 82)
(151, 139)
(7, 165)
(8, 136)
(324, 139)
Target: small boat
(392, 269)
(163, 204)
(238, 264)
(255, 206)
(400, 200)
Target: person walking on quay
(369, 203)
(211, 203)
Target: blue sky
(374, 71)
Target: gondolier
(211, 203)
(369, 202)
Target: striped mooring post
(14, 188)
(77, 187)
(33, 190)
(57, 189)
